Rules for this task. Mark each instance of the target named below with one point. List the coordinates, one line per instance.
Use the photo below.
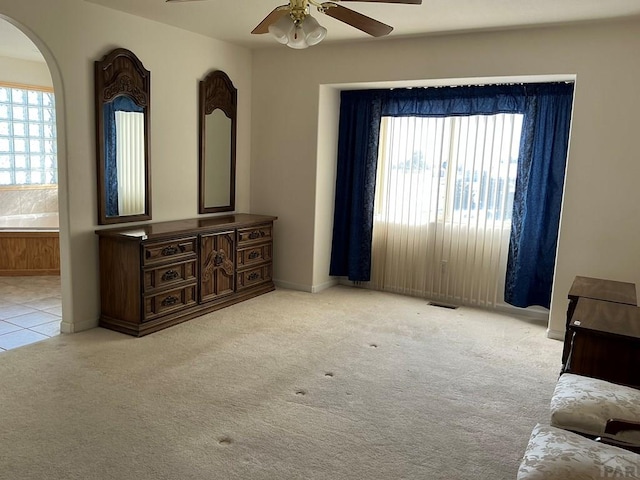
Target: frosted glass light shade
(297, 38)
(281, 29)
(314, 32)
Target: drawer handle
(170, 301)
(219, 258)
(170, 275)
(166, 251)
(253, 255)
(253, 276)
(256, 234)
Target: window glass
(18, 96)
(27, 137)
(19, 129)
(448, 169)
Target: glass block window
(27, 137)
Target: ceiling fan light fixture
(291, 24)
(281, 29)
(297, 33)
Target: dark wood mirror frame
(121, 73)
(217, 92)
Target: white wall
(328, 112)
(600, 222)
(72, 34)
(24, 72)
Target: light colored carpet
(345, 384)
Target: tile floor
(30, 310)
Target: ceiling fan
(294, 26)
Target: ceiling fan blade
(357, 20)
(406, 2)
(273, 17)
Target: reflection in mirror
(217, 172)
(218, 99)
(124, 163)
(122, 141)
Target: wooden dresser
(595, 289)
(156, 275)
(605, 341)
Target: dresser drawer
(167, 302)
(246, 257)
(247, 236)
(254, 276)
(173, 250)
(167, 275)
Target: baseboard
(324, 286)
(351, 283)
(293, 286)
(306, 288)
(75, 327)
(555, 334)
(30, 272)
(541, 315)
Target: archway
(66, 325)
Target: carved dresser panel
(156, 275)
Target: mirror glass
(122, 141)
(217, 159)
(218, 99)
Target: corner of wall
(293, 286)
(316, 288)
(323, 286)
(74, 327)
(326, 165)
(555, 334)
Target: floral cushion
(554, 454)
(584, 405)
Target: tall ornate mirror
(123, 97)
(218, 110)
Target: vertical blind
(443, 205)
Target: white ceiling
(233, 20)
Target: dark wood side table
(605, 341)
(596, 289)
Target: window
(472, 201)
(447, 169)
(444, 198)
(28, 144)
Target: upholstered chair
(556, 454)
(585, 405)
